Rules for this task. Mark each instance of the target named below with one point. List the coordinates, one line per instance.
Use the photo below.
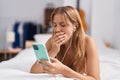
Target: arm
(54, 43)
(49, 48)
(37, 67)
(52, 49)
(92, 59)
(92, 64)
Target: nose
(57, 29)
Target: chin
(65, 42)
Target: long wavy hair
(78, 38)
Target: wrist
(52, 53)
(68, 72)
(65, 70)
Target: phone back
(40, 51)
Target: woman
(72, 52)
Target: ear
(75, 25)
(74, 28)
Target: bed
(109, 59)
(18, 67)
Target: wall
(5, 25)
(106, 21)
(102, 16)
(28, 10)
(69, 2)
(21, 10)
(116, 29)
(102, 19)
(25, 9)
(86, 5)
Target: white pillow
(42, 38)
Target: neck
(68, 43)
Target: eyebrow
(62, 22)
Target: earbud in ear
(74, 29)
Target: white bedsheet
(109, 71)
(14, 74)
(18, 68)
(109, 64)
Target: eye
(54, 25)
(63, 24)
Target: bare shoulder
(91, 46)
(92, 59)
(89, 39)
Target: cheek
(69, 34)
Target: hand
(57, 40)
(37, 67)
(53, 67)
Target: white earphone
(74, 29)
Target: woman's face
(60, 24)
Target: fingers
(42, 62)
(38, 61)
(59, 37)
(49, 69)
(58, 33)
(53, 59)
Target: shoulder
(92, 59)
(91, 47)
(89, 40)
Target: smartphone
(40, 52)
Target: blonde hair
(78, 41)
